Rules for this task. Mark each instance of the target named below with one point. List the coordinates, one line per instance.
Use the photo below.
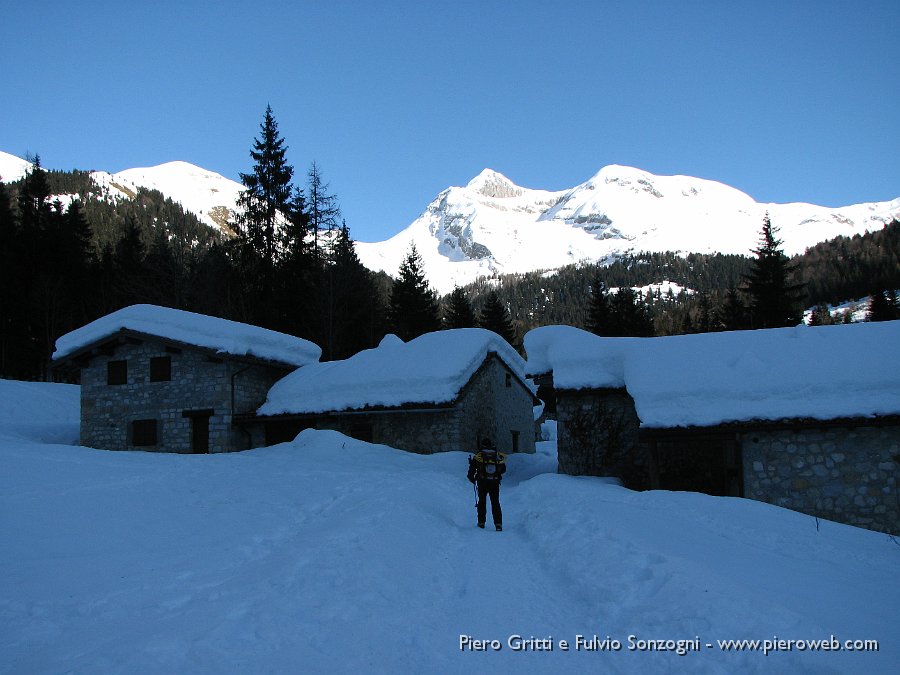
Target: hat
(487, 444)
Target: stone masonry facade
(598, 436)
(200, 390)
(846, 474)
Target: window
(117, 372)
(143, 432)
(160, 368)
(508, 379)
(515, 441)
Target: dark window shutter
(160, 368)
(144, 432)
(117, 372)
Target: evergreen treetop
(413, 307)
(458, 312)
(495, 317)
(774, 299)
(267, 198)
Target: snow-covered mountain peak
(493, 227)
(491, 183)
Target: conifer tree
(629, 315)
(894, 303)
(820, 316)
(773, 297)
(322, 209)
(357, 309)
(599, 314)
(34, 199)
(458, 312)
(266, 203)
(413, 308)
(732, 311)
(130, 275)
(883, 306)
(494, 316)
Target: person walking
(486, 470)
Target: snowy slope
(208, 195)
(331, 555)
(12, 168)
(493, 226)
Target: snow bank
(821, 372)
(432, 368)
(40, 411)
(221, 335)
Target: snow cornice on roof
(428, 372)
(218, 336)
(739, 377)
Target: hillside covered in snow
(208, 195)
(328, 554)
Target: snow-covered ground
(332, 555)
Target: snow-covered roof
(820, 372)
(208, 332)
(431, 369)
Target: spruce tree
(357, 309)
(631, 315)
(599, 314)
(495, 317)
(266, 203)
(131, 274)
(894, 303)
(883, 306)
(299, 276)
(413, 308)
(773, 297)
(732, 311)
(458, 312)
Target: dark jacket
(487, 467)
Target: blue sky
(395, 101)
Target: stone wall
(490, 408)
(198, 382)
(420, 431)
(598, 436)
(849, 475)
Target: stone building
(441, 391)
(161, 379)
(807, 418)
